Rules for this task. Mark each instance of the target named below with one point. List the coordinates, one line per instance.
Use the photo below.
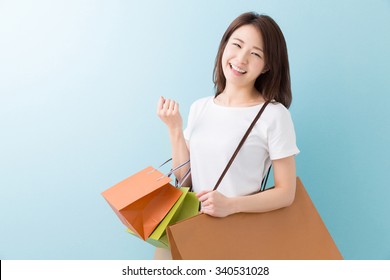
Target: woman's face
(243, 57)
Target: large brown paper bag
(294, 232)
(142, 200)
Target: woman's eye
(237, 45)
(256, 54)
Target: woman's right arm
(168, 111)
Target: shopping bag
(294, 232)
(187, 206)
(142, 200)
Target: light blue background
(79, 83)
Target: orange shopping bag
(142, 200)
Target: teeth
(238, 69)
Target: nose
(242, 57)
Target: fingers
(175, 108)
(207, 211)
(215, 204)
(160, 103)
(205, 199)
(207, 205)
(167, 106)
(202, 196)
(168, 112)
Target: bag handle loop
(169, 174)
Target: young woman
(251, 67)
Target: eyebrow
(238, 39)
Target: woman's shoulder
(277, 108)
(276, 112)
(201, 102)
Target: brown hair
(273, 84)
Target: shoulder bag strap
(240, 144)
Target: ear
(265, 70)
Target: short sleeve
(281, 135)
(190, 122)
(193, 116)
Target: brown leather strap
(240, 144)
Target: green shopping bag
(185, 207)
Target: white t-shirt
(214, 131)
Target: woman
(251, 68)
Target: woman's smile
(237, 70)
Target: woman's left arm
(218, 205)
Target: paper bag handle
(169, 174)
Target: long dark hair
(275, 83)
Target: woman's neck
(234, 96)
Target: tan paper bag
(295, 232)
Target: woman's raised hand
(168, 111)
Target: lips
(237, 69)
